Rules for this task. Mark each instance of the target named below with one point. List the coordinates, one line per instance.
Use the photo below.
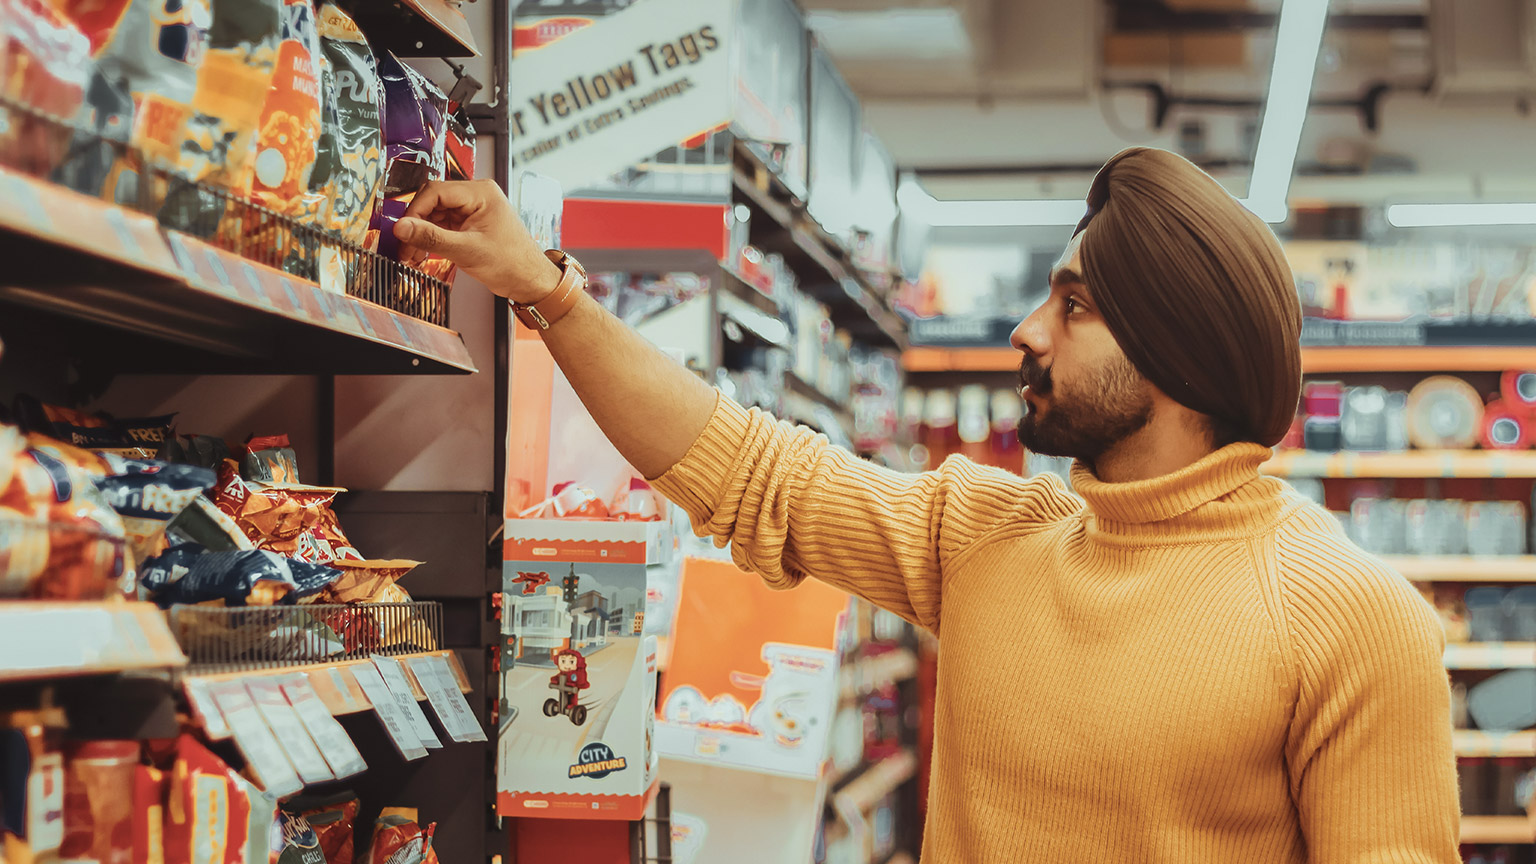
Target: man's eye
(1073, 305)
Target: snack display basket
(218, 639)
(225, 219)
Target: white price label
(202, 704)
(339, 681)
(334, 742)
(384, 704)
(447, 700)
(394, 677)
(255, 740)
(289, 729)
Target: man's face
(1082, 396)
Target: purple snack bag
(415, 115)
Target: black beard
(1085, 427)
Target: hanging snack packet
(397, 839)
(414, 122)
(349, 171)
(286, 141)
(45, 64)
(332, 819)
(154, 49)
(232, 86)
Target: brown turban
(1196, 290)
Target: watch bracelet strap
(543, 314)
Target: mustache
(1034, 376)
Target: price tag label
(384, 704)
(405, 697)
(334, 742)
(339, 681)
(205, 709)
(447, 699)
(289, 730)
(255, 739)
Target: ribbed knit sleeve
(792, 505)
(1369, 752)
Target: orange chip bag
(397, 839)
(366, 581)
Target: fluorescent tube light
(1437, 215)
(1297, 42)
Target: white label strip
(438, 693)
(289, 729)
(340, 682)
(384, 704)
(202, 703)
(334, 742)
(255, 740)
(394, 676)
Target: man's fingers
(419, 237)
(440, 195)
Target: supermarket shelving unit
(106, 291)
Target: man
(1188, 662)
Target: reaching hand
(473, 225)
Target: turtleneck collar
(1183, 492)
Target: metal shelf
(876, 782)
(873, 672)
(415, 28)
(1464, 568)
(1315, 360)
(1490, 655)
(44, 639)
(148, 300)
(1422, 358)
(1475, 742)
(1497, 829)
(821, 262)
(1410, 463)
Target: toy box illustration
(753, 680)
(577, 691)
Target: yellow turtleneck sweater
(1194, 668)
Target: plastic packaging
(98, 801)
(397, 839)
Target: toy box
(753, 680)
(578, 668)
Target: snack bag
(148, 495)
(154, 48)
(232, 86)
(397, 839)
(188, 573)
(349, 171)
(45, 63)
(331, 818)
(293, 841)
(286, 140)
(149, 790)
(414, 122)
(365, 581)
(133, 437)
(270, 459)
(59, 537)
(212, 814)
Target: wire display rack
(219, 639)
(87, 161)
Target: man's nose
(1030, 336)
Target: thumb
(419, 235)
